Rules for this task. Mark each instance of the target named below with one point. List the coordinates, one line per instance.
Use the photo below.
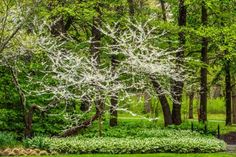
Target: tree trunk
(203, 89)
(147, 103)
(29, 120)
(63, 24)
(131, 8)
(22, 98)
(234, 101)
(114, 98)
(95, 54)
(96, 37)
(228, 92)
(177, 86)
(164, 102)
(75, 130)
(113, 111)
(114, 64)
(191, 97)
(163, 8)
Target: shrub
(7, 140)
(37, 142)
(152, 141)
(10, 120)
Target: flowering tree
(65, 74)
(13, 19)
(140, 46)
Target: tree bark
(96, 37)
(113, 111)
(177, 86)
(22, 97)
(228, 92)
(114, 98)
(62, 25)
(204, 51)
(191, 97)
(131, 8)
(163, 8)
(95, 54)
(234, 101)
(75, 130)
(164, 102)
(29, 120)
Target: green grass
(213, 121)
(151, 155)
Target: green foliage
(48, 125)
(10, 120)
(7, 140)
(150, 142)
(154, 155)
(216, 106)
(37, 142)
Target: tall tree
(163, 99)
(164, 102)
(234, 100)
(204, 50)
(227, 64)
(177, 86)
(95, 54)
(227, 91)
(114, 98)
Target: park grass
(213, 121)
(149, 155)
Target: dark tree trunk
(98, 116)
(22, 98)
(113, 111)
(177, 86)
(163, 8)
(191, 97)
(62, 25)
(164, 102)
(114, 98)
(131, 8)
(95, 54)
(228, 92)
(96, 36)
(75, 130)
(234, 101)
(203, 89)
(29, 120)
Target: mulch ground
(23, 152)
(229, 138)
